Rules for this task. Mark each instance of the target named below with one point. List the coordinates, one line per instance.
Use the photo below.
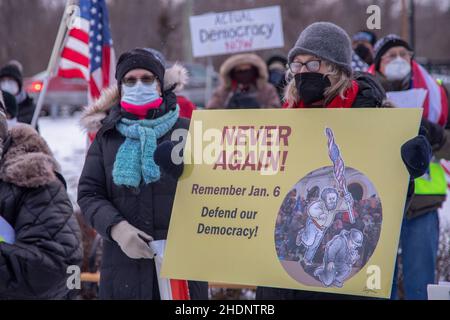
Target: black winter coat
(34, 201)
(26, 110)
(148, 208)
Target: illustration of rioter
(321, 214)
(341, 253)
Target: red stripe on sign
(180, 289)
(446, 170)
(80, 35)
(70, 73)
(106, 60)
(75, 56)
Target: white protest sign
(236, 31)
(413, 98)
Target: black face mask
(364, 53)
(245, 76)
(311, 86)
(276, 77)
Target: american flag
(88, 51)
(339, 168)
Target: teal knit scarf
(134, 160)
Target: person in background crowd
(396, 69)
(362, 44)
(45, 240)
(244, 85)
(175, 77)
(276, 66)
(127, 186)
(321, 77)
(11, 80)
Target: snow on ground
(68, 143)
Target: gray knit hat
(327, 41)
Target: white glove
(133, 242)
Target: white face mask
(10, 86)
(397, 69)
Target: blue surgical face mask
(140, 94)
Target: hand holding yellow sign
(301, 199)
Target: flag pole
(52, 62)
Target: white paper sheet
(413, 98)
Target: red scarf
(350, 96)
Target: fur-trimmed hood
(92, 116)
(27, 161)
(244, 58)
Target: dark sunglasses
(131, 81)
(311, 66)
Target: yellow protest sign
(305, 199)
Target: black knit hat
(139, 59)
(386, 43)
(10, 104)
(12, 71)
(277, 58)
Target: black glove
(163, 158)
(416, 155)
(433, 132)
(243, 100)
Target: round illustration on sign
(326, 231)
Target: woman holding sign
(321, 77)
(128, 183)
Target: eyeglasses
(402, 54)
(131, 81)
(311, 66)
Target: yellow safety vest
(433, 183)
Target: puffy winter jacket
(104, 204)
(34, 201)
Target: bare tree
(28, 29)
